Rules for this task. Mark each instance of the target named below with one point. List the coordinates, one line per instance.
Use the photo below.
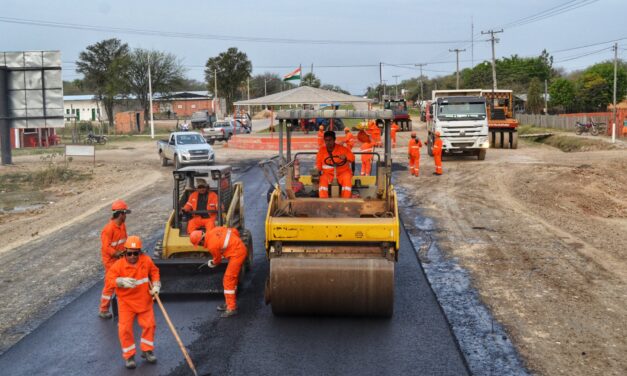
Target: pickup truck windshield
(190, 139)
(461, 111)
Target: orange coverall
(349, 140)
(135, 302)
(413, 151)
(393, 129)
(224, 241)
(198, 222)
(366, 159)
(437, 155)
(320, 138)
(375, 133)
(112, 240)
(343, 173)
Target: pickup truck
(202, 119)
(185, 148)
(223, 130)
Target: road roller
(331, 256)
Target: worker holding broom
(135, 279)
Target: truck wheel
(164, 160)
(409, 127)
(177, 164)
(514, 140)
(498, 140)
(481, 154)
(429, 146)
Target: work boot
(105, 315)
(149, 356)
(130, 363)
(229, 313)
(221, 307)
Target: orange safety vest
(112, 240)
(138, 298)
(338, 150)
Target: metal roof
(304, 95)
(335, 114)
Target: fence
(563, 121)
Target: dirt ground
(544, 235)
(542, 232)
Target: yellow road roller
(331, 256)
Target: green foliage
(535, 103)
(166, 73)
(592, 92)
(310, 79)
(562, 94)
(76, 87)
(266, 84)
(104, 65)
(334, 88)
(232, 68)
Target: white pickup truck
(185, 148)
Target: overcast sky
(588, 22)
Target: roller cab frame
(332, 256)
(182, 265)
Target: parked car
(185, 148)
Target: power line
(582, 55)
(172, 34)
(548, 13)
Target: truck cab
(462, 122)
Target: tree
(310, 79)
(232, 68)
(75, 87)
(592, 92)
(166, 74)
(188, 84)
(534, 97)
(562, 94)
(104, 65)
(605, 71)
(266, 84)
(335, 88)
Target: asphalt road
(416, 340)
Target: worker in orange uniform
(320, 136)
(349, 139)
(393, 129)
(224, 242)
(367, 146)
(413, 153)
(135, 278)
(375, 132)
(437, 153)
(202, 199)
(112, 240)
(333, 160)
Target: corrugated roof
(303, 95)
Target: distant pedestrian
(393, 129)
(437, 153)
(413, 154)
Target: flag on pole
(295, 75)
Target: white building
(84, 107)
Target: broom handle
(173, 330)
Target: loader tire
(247, 238)
(514, 140)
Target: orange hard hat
(195, 237)
(437, 133)
(413, 134)
(120, 205)
(133, 242)
(346, 129)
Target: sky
(345, 40)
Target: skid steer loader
(332, 256)
(182, 265)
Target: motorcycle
(591, 127)
(95, 139)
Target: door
(137, 122)
(93, 114)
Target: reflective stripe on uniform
(127, 349)
(149, 343)
(346, 188)
(323, 188)
(121, 241)
(141, 281)
(230, 292)
(105, 297)
(226, 239)
(327, 167)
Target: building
(182, 104)
(84, 107)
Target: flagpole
(300, 68)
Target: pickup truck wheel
(211, 142)
(177, 164)
(164, 160)
(429, 147)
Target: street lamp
(396, 86)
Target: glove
(211, 264)
(118, 254)
(126, 282)
(156, 287)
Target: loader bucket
(190, 277)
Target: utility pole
(472, 42)
(381, 82)
(215, 91)
(248, 92)
(265, 88)
(614, 95)
(546, 97)
(457, 51)
(421, 65)
(493, 40)
(384, 82)
(396, 76)
(152, 124)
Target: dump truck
(331, 256)
(462, 122)
(182, 265)
(400, 111)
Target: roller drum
(331, 286)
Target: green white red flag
(295, 75)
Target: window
(193, 106)
(179, 106)
(67, 111)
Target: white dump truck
(462, 122)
